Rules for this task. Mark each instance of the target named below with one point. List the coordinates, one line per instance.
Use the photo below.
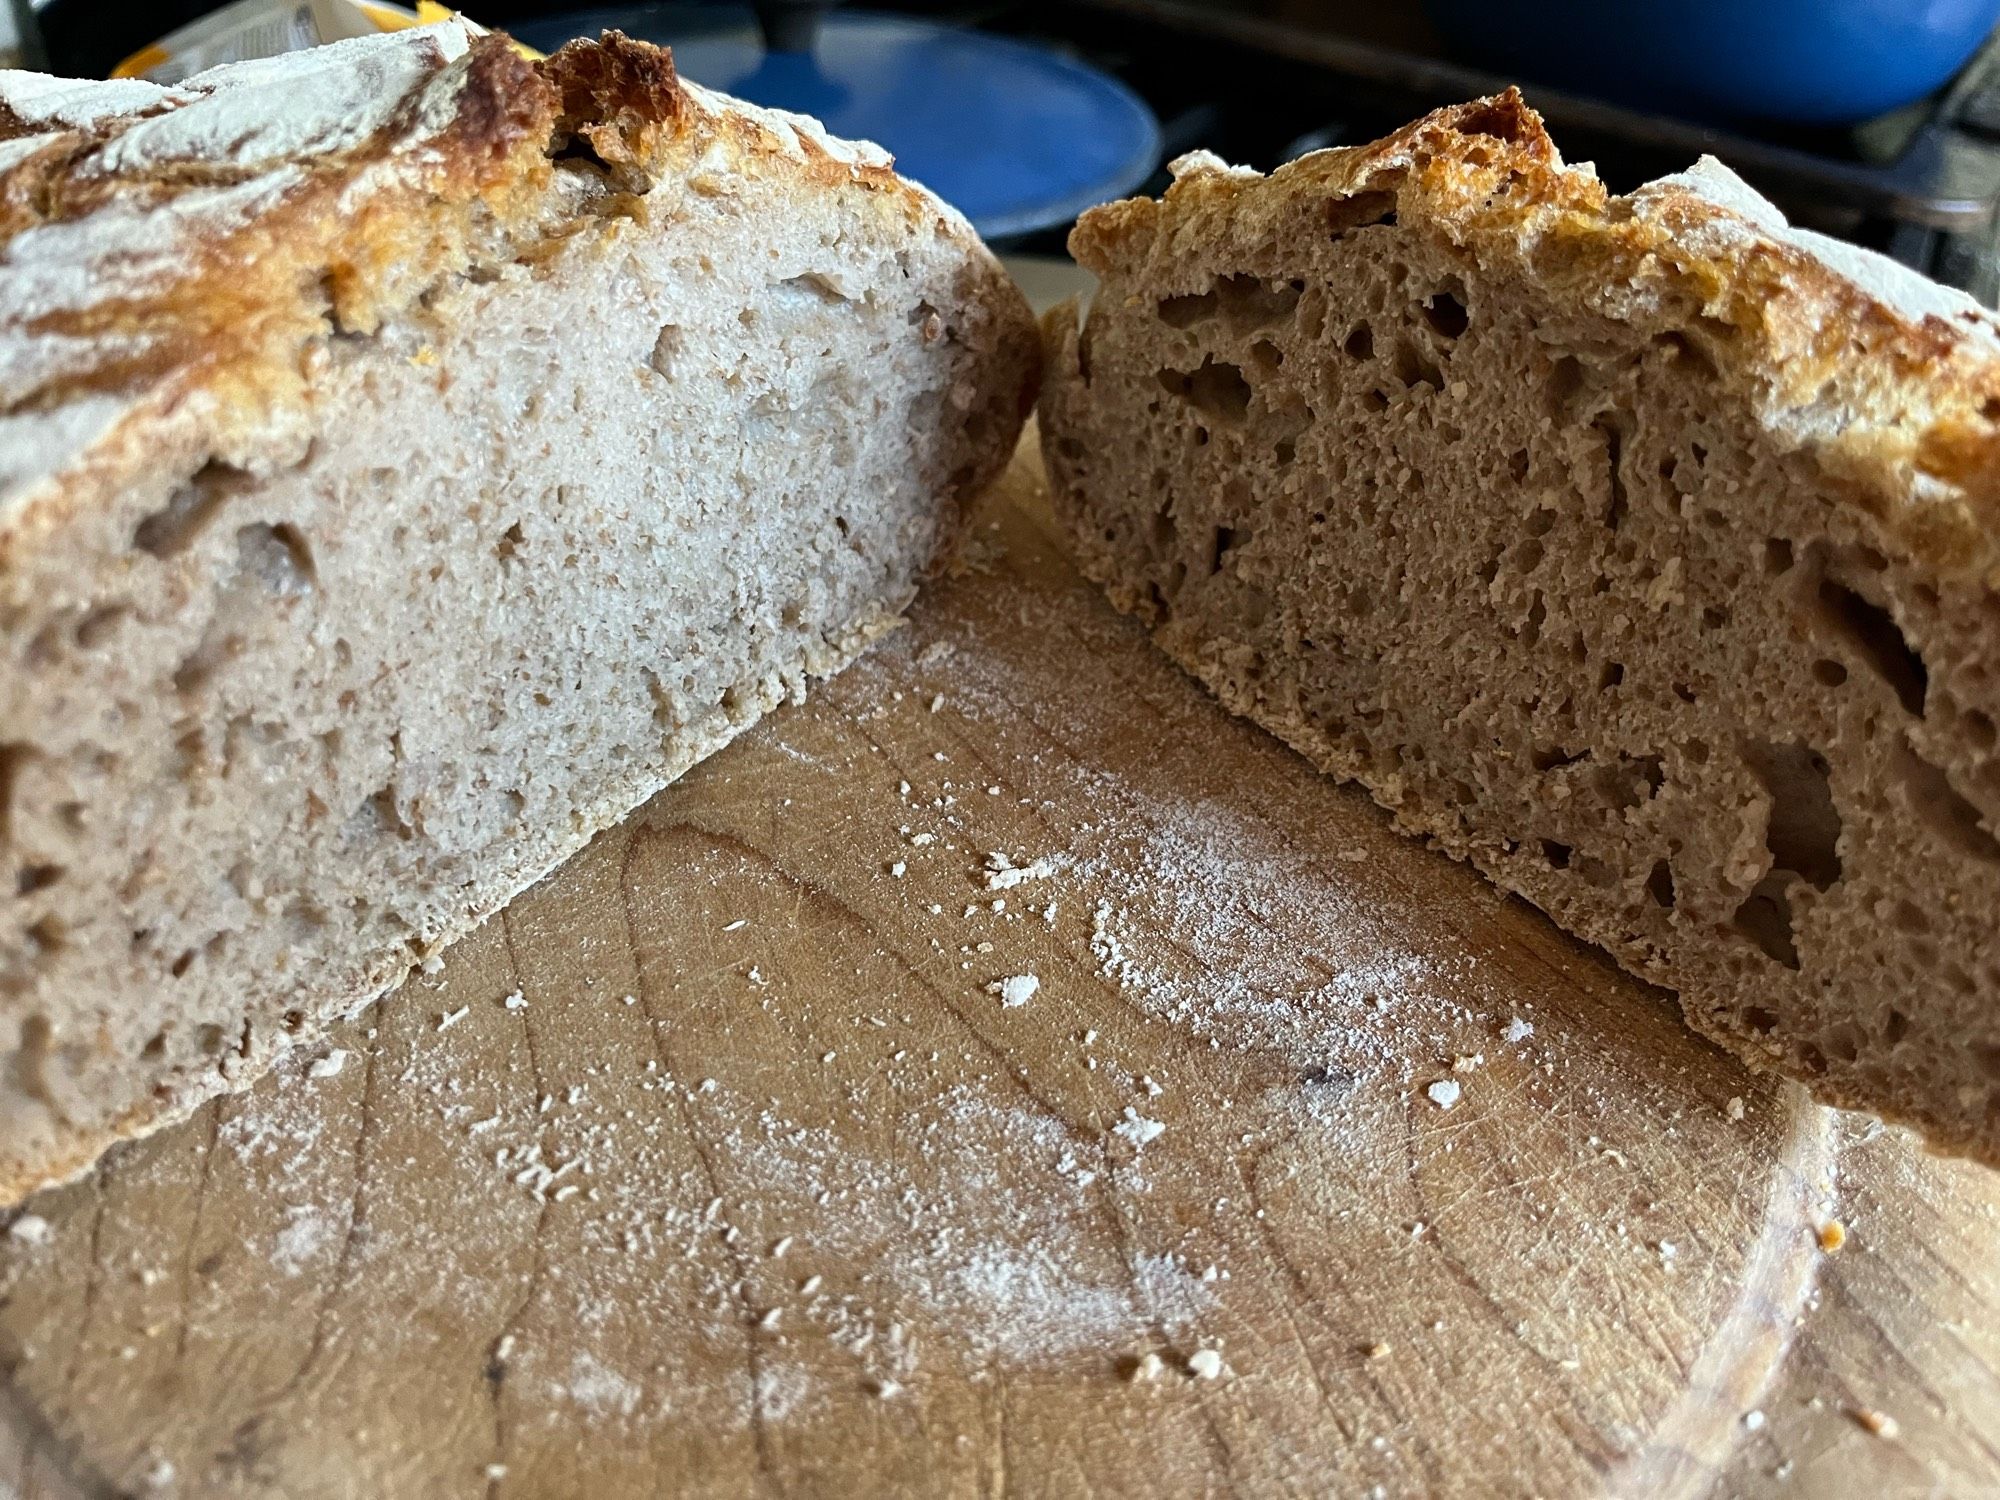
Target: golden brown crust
(349, 236)
(1898, 397)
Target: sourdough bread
(1643, 551)
(411, 459)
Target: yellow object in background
(265, 28)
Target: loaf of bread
(413, 457)
(1643, 551)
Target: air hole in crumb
(1978, 727)
(278, 557)
(13, 761)
(1871, 632)
(666, 351)
(1777, 556)
(175, 526)
(1554, 757)
(1683, 692)
(1363, 210)
(182, 964)
(1660, 885)
(1895, 1028)
(1445, 312)
(155, 1048)
(1227, 539)
(1360, 342)
(1217, 389)
(1765, 918)
(96, 628)
(1685, 353)
(1828, 673)
(1619, 504)
(1937, 805)
(1414, 367)
(1760, 1020)
(31, 878)
(1803, 830)
(1612, 675)
(48, 935)
(1186, 311)
(210, 1039)
(1556, 854)
(1565, 385)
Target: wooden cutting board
(913, 1100)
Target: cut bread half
(1643, 551)
(411, 459)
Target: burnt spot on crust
(1505, 117)
(505, 102)
(615, 94)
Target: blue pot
(1812, 61)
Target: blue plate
(1015, 137)
(1811, 61)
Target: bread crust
(1870, 392)
(1895, 385)
(455, 180)
(167, 297)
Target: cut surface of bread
(412, 459)
(1642, 551)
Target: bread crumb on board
(1880, 1423)
(1445, 1092)
(32, 1230)
(1147, 1367)
(1015, 989)
(1136, 1128)
(1204, 1364)
(1832, 1235)
(328, 1066)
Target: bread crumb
(1468, 1062)
(937, 702)
(899, 869)
(516, 1001)
(1832, 1235)
(1879, 1423)
(770, 1318)
(1753, 1420)
(1136, 1128)
(783, 1244)
(496, 1471)
(452, 1017)
(1517, 1031)
(1377, 1350)
(809, 1285)
(328, 1066)
(1204, 1364)
(739, 922)
(1147, 1366)
(1734, 1108)
(634, 999)
(32, 1230)
(1444, 1093)
(886, 1389)
(1015, 989)
(1002, 874)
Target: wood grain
(831, 1218)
